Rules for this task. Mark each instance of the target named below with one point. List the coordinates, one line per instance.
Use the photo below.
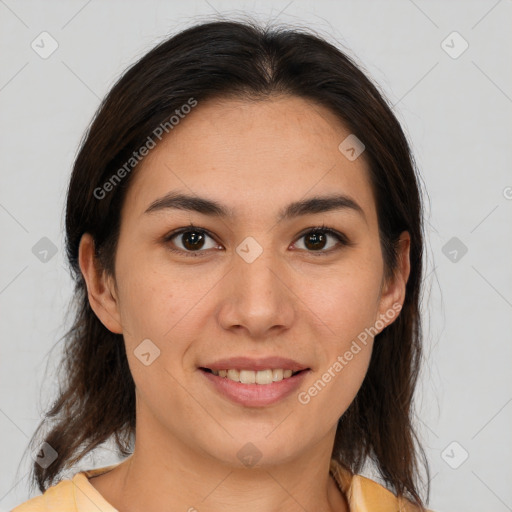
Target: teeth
(252, 377)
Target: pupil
(316, 238)
(193, 240)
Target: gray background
(456, 112)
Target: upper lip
(255, 364)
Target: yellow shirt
(79, 495)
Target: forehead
(253, 154)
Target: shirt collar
(366, 495)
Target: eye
(317, 240)
(190, 240)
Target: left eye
(316, 240)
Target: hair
(234, 59)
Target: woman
(244, 226)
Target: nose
(257, 299)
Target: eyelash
(342, 239)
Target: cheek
(346, 300)
(164, 304)
(149, 290)
(331, 390)
(345, 360)
(344, 309)
(144, 304)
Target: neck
(152, 478)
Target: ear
(100, 286)
(393, 290)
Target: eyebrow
(317, 204)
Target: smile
(241, 387)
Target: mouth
(254, 388)
(261, 377)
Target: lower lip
(255, 395)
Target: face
(255, 281)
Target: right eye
(190, 240)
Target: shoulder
(364, 494)
(59, 497)
(70, 495)
(370, 495)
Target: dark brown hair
(96, 399)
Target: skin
(255, 158)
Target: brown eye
(317, 240)
(190, 240)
